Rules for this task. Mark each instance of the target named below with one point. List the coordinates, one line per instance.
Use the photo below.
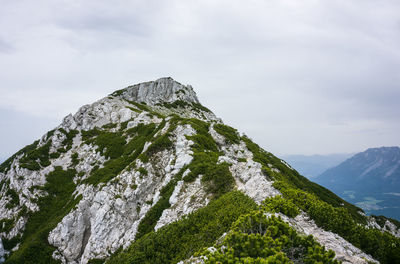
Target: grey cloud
(5, 47)
(284, 72)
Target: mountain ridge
(120, 172)
(374, 174)
(313, 165)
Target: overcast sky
(299, 77)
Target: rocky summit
(149, 175)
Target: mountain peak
(163, 90)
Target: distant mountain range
(370, 179)
(313, 165)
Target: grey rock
(162, 90)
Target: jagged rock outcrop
(164, 90)
(130, 163)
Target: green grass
(34, 247)
(230, 134)
(180, 240)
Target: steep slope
(371, 179)
(149, 175)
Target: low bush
(381, 245)
(230, 134)
(278, 204)
(255, 238)
(14, 198)
(6, 225)
(37, 158)
(27, 149)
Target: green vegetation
(27, 149)
(87, 135)
(120, 152)
(36, 158)
(74, 159)
(255, 238)
(54, 155)
(118, 92)
(203, 143)
(111, 145)
(2, 183)
(216, 177)
(175, 104)
(11, 243)
(199, 107)
(278, 204)
(6, 225)
(143, 107)
(381, 245)
(142, 171)
(134, 109)
(110, 125)
(161, 143)
(183, 104)
(34, 247)
(230, 134)
(201, 164)
(96, 261)
(180, 240)
(14, 201)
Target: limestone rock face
(163, 90)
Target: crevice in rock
(85, 238)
